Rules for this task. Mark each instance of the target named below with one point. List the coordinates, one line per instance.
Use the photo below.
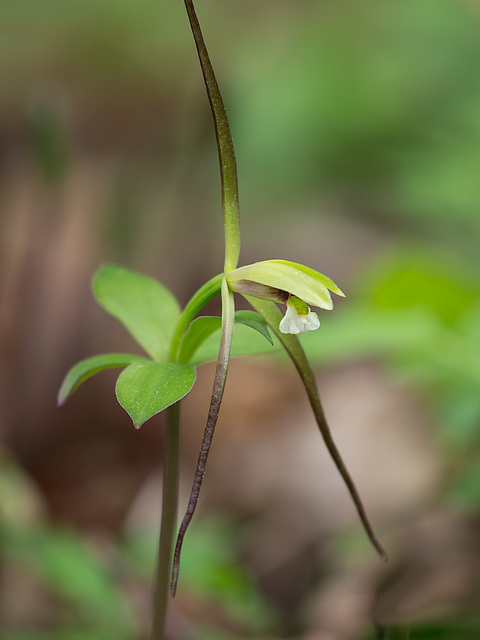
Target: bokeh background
(357, 130)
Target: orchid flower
(171, 338)
(287, 283)
(263, 284)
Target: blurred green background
(357, 131)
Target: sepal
(273, 279)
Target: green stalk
(168, 524)
(199, 299)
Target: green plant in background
(175, 340)
(62, 564)
(466, 627)
(419, 310)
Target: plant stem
(168, 524)
(199, 299)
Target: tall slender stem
(169, 522)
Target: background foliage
(357, 129)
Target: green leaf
(145, 307)
(245, 343)
(146, 388)
(89, 367)
(254, 321)
(201, 329)
(198, 331)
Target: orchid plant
(175, 342)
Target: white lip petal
(293, 322)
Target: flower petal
(294, 322)
(296, 279)
(252, 288)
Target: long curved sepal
(228, 321)
(226, 152)
(272, 315)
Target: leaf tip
(63, 396)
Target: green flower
(287, 283)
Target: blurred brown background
(357, 130)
